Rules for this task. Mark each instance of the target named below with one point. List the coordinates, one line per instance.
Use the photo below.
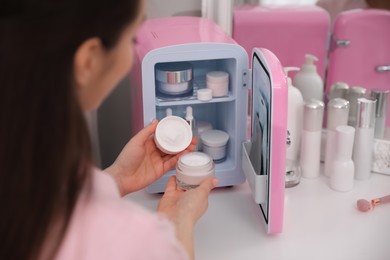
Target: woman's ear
(87, 62)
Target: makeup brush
(365, 205)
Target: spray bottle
(308, 81)
(294, 127)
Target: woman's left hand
(140, 163)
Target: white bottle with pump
(294, 125)
(308, 81)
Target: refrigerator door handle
(384, 68)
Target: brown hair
(45, 153)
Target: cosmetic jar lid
(381, 97)
(214, 138)
(174, 73)
(173, 135)
(203, 126)
(366, 112)
(313, 115)
(338, 110)
(217, 76)
(205, 94)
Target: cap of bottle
(337, 113)
(345, 135)
(313, 115)
(339, 90)
(354, 93)
(365, 113)
(381, 97)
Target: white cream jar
(193, 168)
(214, 143)
(218, 82)
(174, 79)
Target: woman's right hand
(184, 208)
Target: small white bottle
(168, 112)
(308, 81)
(294, 118)
(381, 97)
(364, 138)
(337, 114)
(342, 167)
(311, 139)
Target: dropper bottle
(191, 121)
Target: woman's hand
(140, 163)
(184, 208)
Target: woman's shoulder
(104, 226)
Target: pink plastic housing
(285, 31)
(360, 45)
(278, 142)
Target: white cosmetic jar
(202, 127)
(193, 168)
(174, 79)
(173, 135)
(214, 143)
(218, 82)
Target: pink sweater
(104, 226)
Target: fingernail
(215, 182)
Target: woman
(57, 60)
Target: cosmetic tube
(342, 167)
(364, 138)
(337, 114)
(353, 94)
(311, 138)
(381, 97)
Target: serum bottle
(311, 138)
(364, 137)
(337, 114)
(342, 167)
(381, 97)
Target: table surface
(319, 223)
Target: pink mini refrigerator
(360, 50)
(192, 47)
(289, 32)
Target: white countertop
(319, 223)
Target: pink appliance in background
(200, 42)
(360, 50)
(284, 30)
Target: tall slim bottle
(381, 97)
(364, 137)
(311, 138)
(337, 114)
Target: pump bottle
(308, 81)
(294, 126)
